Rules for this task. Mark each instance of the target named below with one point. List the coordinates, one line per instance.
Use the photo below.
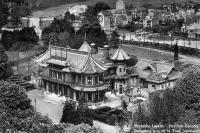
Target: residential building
(157, 75)
(194, 30)
(78, 10)
(110, 19)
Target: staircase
(18, 79)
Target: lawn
(147, 54)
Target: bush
(103, 109)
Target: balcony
(73, 83)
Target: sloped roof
(159, 71)
(43, 57)
(76, 61)
(85, 47)
(56, 62)
(160, 67)
(93, 66)
(120, 55)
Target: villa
(110, 19)
(86, 72)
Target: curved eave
(94, 65)
(91, 89)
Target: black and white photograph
(99, 66)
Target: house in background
(194, 30)
(39, 23)
(78, 10)
(110, 19)
(157, 75)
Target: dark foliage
(28, 35)
(187, 88)
(3, 13)
(114, 40)
(92, 12)
(94, 35)
(78, 115)
(5, 68)
(56, 29)
(165, 107)
(132, 61)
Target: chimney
(105, 50)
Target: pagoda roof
(74, 60)
(85, 47)
(120, 55)
(93, 66)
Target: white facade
(78, 9)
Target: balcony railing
(72, 82)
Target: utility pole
(35, 105)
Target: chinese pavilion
(85, 72)
(73, 73)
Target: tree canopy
(16, 114)
(28, 35)
(5, 69)
(60, 30)
(3, 13)
(165, 107)
(92, 11)
(187, 88)
(76, 115)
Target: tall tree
(176, 51)
(3, 13)
(114, 40)
(94, 35)
(165, 107)
(92, 11)
(5, 69)
(187, 88)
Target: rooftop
(120, 55)
(156, 71)
(72, 60)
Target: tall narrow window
(79, 79)
(96, 80)
(89, 96)
(83, 80)
(89, 79)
